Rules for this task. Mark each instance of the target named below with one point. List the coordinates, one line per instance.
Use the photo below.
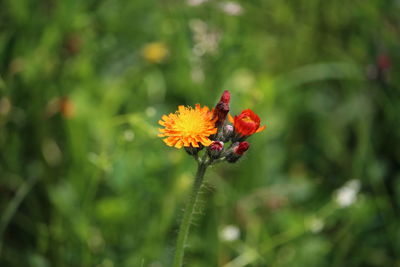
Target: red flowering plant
(200, 128)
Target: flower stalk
(188, 213)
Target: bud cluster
(228, 143)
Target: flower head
(188, 127)
(63, 105)
(66, 107)
(231, 8)
(347, 195)
(246, 123)
(155, 52)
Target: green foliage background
(96, 187)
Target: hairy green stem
(187, 216)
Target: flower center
(190, 122)
(247, 119)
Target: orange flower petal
(230, 118)
(261, 129)
(179, 144)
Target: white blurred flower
(51, 152)
(150, 111)
(206, 42)
(316, 225)
(347, 195)
(206, 39)
(229, 233)
(129, 135)
(197, 74)
(231, 8)
(196, 2)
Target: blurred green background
(84, 181)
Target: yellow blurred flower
(155, 52)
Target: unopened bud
(241, 148)
(237, 150)
(227, 132)
(222, 109)
(226, 97)
(215, 149)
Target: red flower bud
(241, 148)
(226, 97)
(215, 149)
(236, 151)
(222, 108)
(217, 146)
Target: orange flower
(188, 127)
(67, 108)
(247, 123)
